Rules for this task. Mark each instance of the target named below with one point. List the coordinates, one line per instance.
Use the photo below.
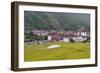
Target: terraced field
(66, 51)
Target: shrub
(71, 40)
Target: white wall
(5, 48)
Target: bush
(71, 40)
(86, 41)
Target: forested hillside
(54, 20)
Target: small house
(40, 32)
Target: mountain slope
(55, 21)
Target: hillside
(55, 21)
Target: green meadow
(67, 51)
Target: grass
(67, 51)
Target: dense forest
(55, 21)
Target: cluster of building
(64, 36)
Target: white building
(49, 37)
(66, 39)
(40, 32)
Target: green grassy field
(66, 51)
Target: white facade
(78, 39)
(49, 37)
(83, 34)
(66, 39)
